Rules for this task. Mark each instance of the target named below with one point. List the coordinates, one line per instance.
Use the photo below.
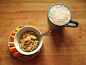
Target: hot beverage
(59, 14)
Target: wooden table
(67, 47)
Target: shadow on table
(59, 39)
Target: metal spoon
(44, 34)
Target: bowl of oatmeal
(26, 41)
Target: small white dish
(19, 34)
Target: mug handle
(73, 25)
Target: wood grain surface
(66, 47)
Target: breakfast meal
(28, 41)
(59, 14)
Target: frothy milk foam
(59, 14)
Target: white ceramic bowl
(19, 34)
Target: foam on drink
(59, 14)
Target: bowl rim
(62, 5)
(34, 51)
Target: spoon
(45, 33)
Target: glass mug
(57, 27)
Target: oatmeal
(28, 41)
